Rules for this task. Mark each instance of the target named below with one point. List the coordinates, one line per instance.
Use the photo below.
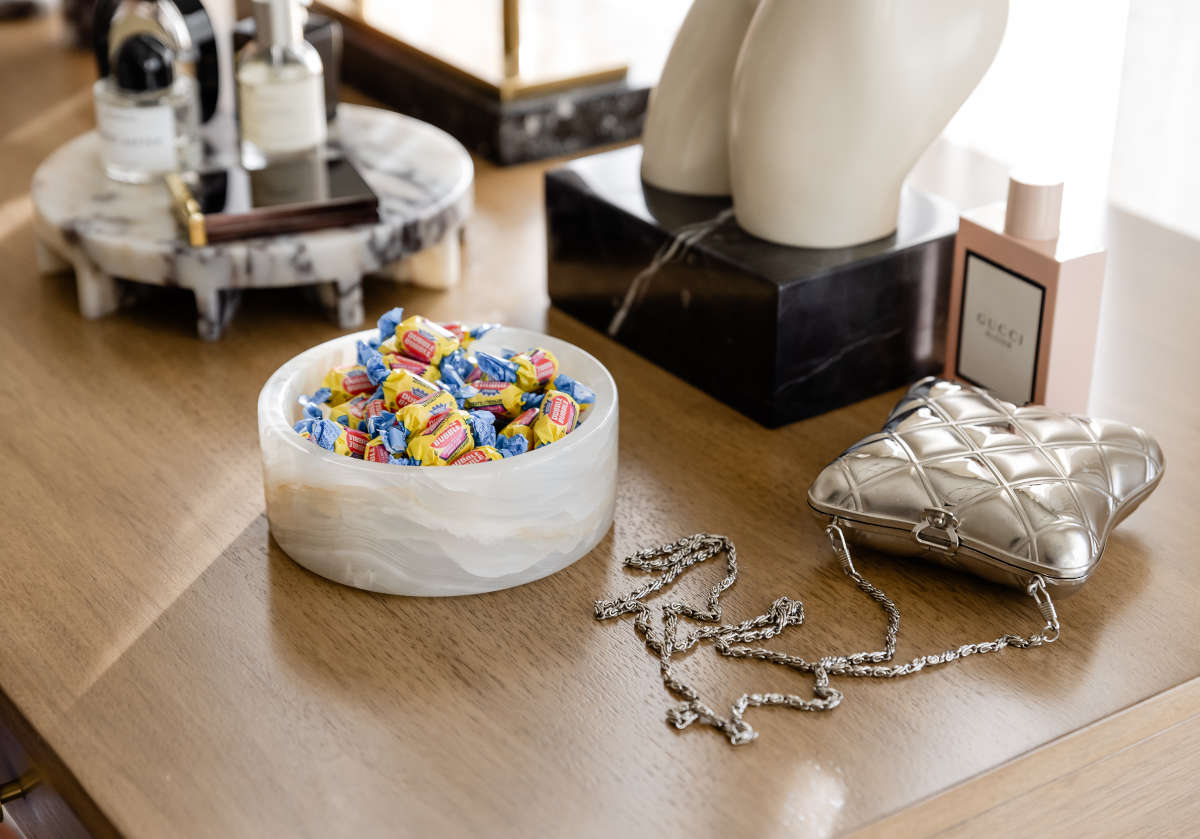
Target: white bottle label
(1000, 330)
(141, 139)
(283, 115)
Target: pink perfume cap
(1034, 207)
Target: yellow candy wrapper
(345, 383)
(351, 443)
(420, 338)
(402, 388)
(354, 411)
(504, 399)
(396, 361)
(467, 335)
(416, 416)
(536, 368)
(375, 451)
(522, 426)
(447, 437)
(374, 408)
(556, 418)
(479, 454)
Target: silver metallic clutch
(971, 482)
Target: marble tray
(109, 232)
(437, 531)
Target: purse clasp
(938, 530)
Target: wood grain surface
(198, 683)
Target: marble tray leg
(98, 293)
(214, 310)
(343, 301)
(48, 260)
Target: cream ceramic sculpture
(833, 101)
(686, 139)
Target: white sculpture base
(110, 232)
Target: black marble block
(779, 333)
(525, 129)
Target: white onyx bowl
(438, 530)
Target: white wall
(1156, 155)
(1050, 98)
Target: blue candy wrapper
(377, 368)
(322, 431)
(456, 387)
(388, 323)
(510, 446)
(376, 425)
(483, 427)
(319, 398)
(394, 435)
(495, 368)
(395, 439)
(577, 390)
(364, 350)
(456, 364)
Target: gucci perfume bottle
(281, 88)
(1025, 300)
(145, 116)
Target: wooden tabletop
(182, 677)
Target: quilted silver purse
(1010, 494)
(1023, 496)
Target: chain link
(671, 560)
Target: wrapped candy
(468, 335)
(418, 396)
(344, 383)
(374, 408)
(323, 432)
(350, 413)
(583, 395)
(452, 382)
(388, 322)
(501, 398)
(351, 442)
(391, 442)
(416, 415)
(396, 361)
(420, 338)
(531, 370)
(557, 417)
(521, 426)
(333, 436)
(402, 388)
(509, 446)
(483, 427)
(479, 454)
(536, 368)
(447, 437)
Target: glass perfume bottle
(1025, 300)
(147, 118)
(281, 88)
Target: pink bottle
(1025, 301)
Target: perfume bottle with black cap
(146, 116)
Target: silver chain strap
(674, 559)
